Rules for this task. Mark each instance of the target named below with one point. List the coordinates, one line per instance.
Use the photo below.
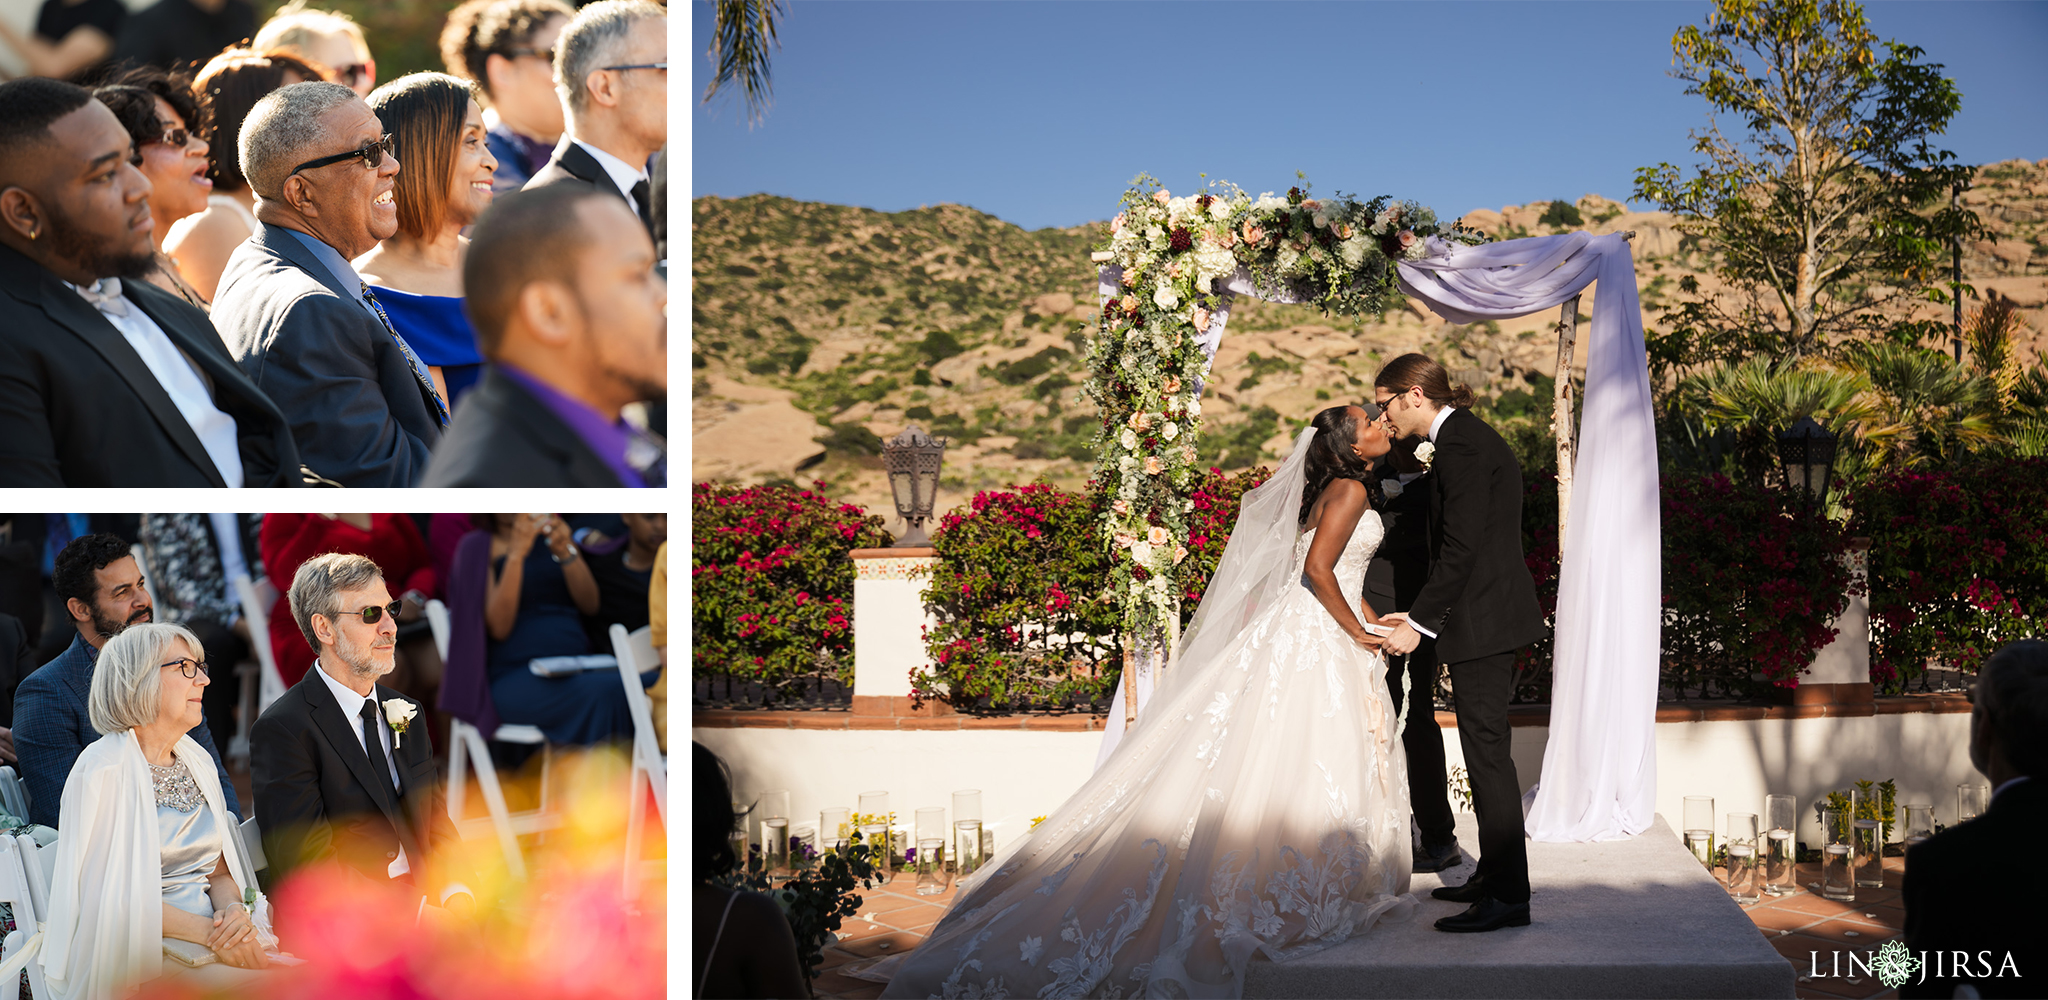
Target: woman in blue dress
(540, 588)
(437, 132)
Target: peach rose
(1121, 507)
(1130, 280)
(1156, 536)
(1116, 225)
(1130, 303)
(1162, 196)
(1140, 422)
(1201, 319)
(1342, 229)
(1312, 205)
(1407, 237)
(1180, 552)
(1253, 234)
(1152, 466)
(1172, 383)
(1189, 452)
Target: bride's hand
(1368, 640)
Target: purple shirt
(608, 438)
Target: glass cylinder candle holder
(1869, 834)
(1780, 845)
(835, 828)
(1743, 859)
(1838, 847)
(967, 846)
(741, 837)
(1699, 828)
(773, 814)
(1971, 798)
(931, 866)
(874, 830)
(1919, 825)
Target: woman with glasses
(228, 86)
(165, 123)
(508, 48)
(437, 131)
(149, 862)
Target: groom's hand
(1404, 640)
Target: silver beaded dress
(191, 839)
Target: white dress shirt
(182, 381)
(352, 706)
(623, 174)
(1434, 426)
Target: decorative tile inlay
(894, 568)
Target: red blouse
(288, 540)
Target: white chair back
(42, 870)
(258, 597)
(252, 844)
(13, 793)
(437, 619)
(18, 950)
(635, 653)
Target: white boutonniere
(1425, 453)
(1391, 487)
(398, 713)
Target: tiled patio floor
(894, 919)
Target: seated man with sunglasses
(302, 322)
(343, 766)
(611, 68)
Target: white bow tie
(106, 296)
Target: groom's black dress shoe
(1435, 859)
(1488, 914)
(1471, 892)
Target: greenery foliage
(816, 898)
(771, 584)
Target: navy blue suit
(52, 727)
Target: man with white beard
(343, 768)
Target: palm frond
(741, 37)
(1761, 392)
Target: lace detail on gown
(1260, 806)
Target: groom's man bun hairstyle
(2012, 693)
(1410, 370)
(1330, 457)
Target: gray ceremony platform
(1633, 918)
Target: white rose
(1194, 407)
(1129, 439)
(398, 712)
(1141, 552)
(1220, 209)
(1169, 431)
(1425, 452)
(1166, 297)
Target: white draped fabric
(1600, 766)
(105, 931)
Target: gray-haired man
(299, 319)
(611, 68)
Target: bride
(1260, 804)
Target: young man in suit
(570, 316)
(611, 69)
(106, 380)
(1479, 604)
(1395, 576)
(104, 592)
(302, 322)
(343, 767)
(1974, 891)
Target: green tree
(742, 33)
(1822, 202)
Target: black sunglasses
(371, 152)
(373, 613)
(186, 665)
(173, 137)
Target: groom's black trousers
(1423, 740)
(1481, 689)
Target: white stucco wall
(1023, 774)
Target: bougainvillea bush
(771, 585)
(1958, 564)
(1753, 581)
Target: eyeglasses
(662, 66)
(371, 152)
(176, 137)
(353, 72)
(186, 665)
(373, 614)
(546, 55)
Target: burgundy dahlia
(1182, 240)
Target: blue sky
(1041, 112)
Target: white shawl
(105, 932)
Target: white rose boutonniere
(1426, 454)
(398, 713)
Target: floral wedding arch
(1169, 269)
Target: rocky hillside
(818, 330)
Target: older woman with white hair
(148, 855)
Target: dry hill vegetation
(818, 330)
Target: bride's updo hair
(1330, 456)
(1410, 370)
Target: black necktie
(642, 202)
(375, 747)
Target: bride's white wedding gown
(1260, 805)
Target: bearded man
(343, 767)
(104, 592)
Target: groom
(1479, 604)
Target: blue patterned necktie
(412, 361)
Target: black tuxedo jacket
(317, 798)
(79, 408)
(1480, 599)
(359, 416)
(503, 436)
(1978, 886)
(574, 164)
(1400, 566)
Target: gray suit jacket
(357, 413)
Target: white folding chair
(13, 793)
(252, 844)
(257, 599)
(466, 745)
(636, 655)
(18, 950)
